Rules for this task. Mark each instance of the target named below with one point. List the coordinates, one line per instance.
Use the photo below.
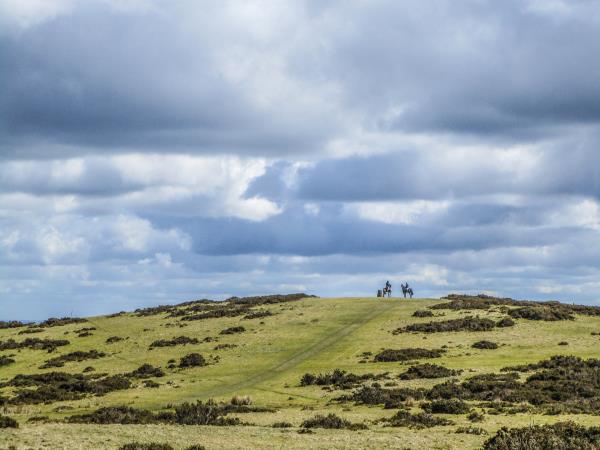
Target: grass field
(267, 361)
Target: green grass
(313, 335)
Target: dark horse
(406, 289)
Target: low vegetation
(192, 360)
(559, 436)
(428, 371)
(8, 422)
(233, 330)
(78, 356)
(485, 345)
(180, 340)
(33, 344)
(331, 421)
(339, 378)
(146, 371)
(407, 354)
(443, 326)
(417, 421)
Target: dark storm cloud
(96, 80)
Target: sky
(156, 151)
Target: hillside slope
(263, 348)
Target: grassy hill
(264, 347)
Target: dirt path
(301, 356)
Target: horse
(407, 290)
(387, 291)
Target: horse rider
(388, 287)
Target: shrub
(33, 344)
(450, 406)
(74, 356)
(562, 435)
(115, 415)
(331, 421)
(151, 384)
(472, 430)
(5, 361)
(338, 378)
(55, 322)
(8, 422)
(423, 313)
(257, 314)
(465, 324)
(390, 398)
(485, 345)
(113, 339)
(11, 324)
(31, 331)
(60, 386)
(145, 446)
(407, 354)
(540, 313)
(146, 371)
(563, 343)
(233, 330)
(428, 371)
(282, 425)
(418, 421)
(192, 360)
(181, 340)
(209, 413)
(475, 417)
(241, 400)
(505, 323)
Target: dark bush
(390, 398)
(181, 340)
(485, 345)
(560, 436)
(282, 425)
(145, 446)
(151, 384)
(449, 406)
(5, 361)
(338, 378)
(33, 344)
(31, 331)
(11, 324)
(233, 330)
(475, 417)
(209, 413)
(563, 343)
(60, 386)
(428, 371)
(115, 415)
(113, 339)
(224, 346)
(418, 421)
(54, 322)
(331, 421)
(407, 354)
(471, 430)
(78, 356)
(423, 313)
(146, 371)
(192, 360)
(505, 323)
(257, 314)
(540, 313)
(443, 326)
(8, 422)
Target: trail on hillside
(301, 356)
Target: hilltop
(272, 371)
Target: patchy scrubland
(297, 372)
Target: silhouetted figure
(406, 289)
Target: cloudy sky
(157, 151)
